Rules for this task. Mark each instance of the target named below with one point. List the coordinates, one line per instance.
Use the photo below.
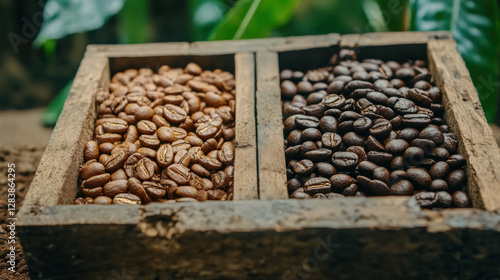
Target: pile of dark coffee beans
(370, 128)
(162, 137)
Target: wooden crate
(262, 234)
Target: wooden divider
(466, 119)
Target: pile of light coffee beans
(370, 128)
(161, 137)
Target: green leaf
(64, 17)
(254, 19)
(394, 13)
(134, 25)
(52, 112)
(204, 16)
(474, 25)
(327, 16)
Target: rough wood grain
(215, 240)
(56, 177)
(465, 117)
(142, 50)
(245, 164)
(271, 156)
(268, 44)
(390, 38)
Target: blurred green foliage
(474, 24)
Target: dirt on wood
(26, 159)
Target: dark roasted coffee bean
(438, 185)
(402, 187)
(341, 181)
(325, 169)
(374, 145)
(444, 199)
(414, 155)
(300, 194)
(331, 141)
(461, 199)
(404, 106)
(396, 146)
(328, 124)
(307, 146)
(419, 97)
(380, 158)
(288, 89)
(350, 190)
(316, 97)
(349, 116)
(353, 139)
(334, 101)
(456, 178)
(310, 134)
(367, 166)
(417, 121)
(408, 134)
(362, 125)
(427, 199)
(304, 87)
(292, 152)
(294, 138)
(419, 177)
(358, 150)
(456, 161)
(319, 155)
(381, 173)
(379, 188)
(381, 129)
(293, 185)
(432, 133)
(304, 167)
(306, 122)
(439, 170)
(426, 145)
(317, 185)
(344, 160)
(440, 154)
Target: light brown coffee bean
(146, 127)
(126, 198)
(91, 150)
(179, 173)
(114, 188)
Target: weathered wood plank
(245, 164)
(267, 44)
(169, 241)
(465, 117)
(142, 50)
(390, 38)
(271, 157)
(55, 180)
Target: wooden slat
(57, 174)
(267, 44)
(390, 38)
(465, 117)
(245, 165)
(141, 50)
(271, 157)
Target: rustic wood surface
(245, 162)
(391, 38)
(271, 157)
(466, 118)
(55, 180)
(264, 240)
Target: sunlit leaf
(254, 19)
(64, 17)
(473, 24)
